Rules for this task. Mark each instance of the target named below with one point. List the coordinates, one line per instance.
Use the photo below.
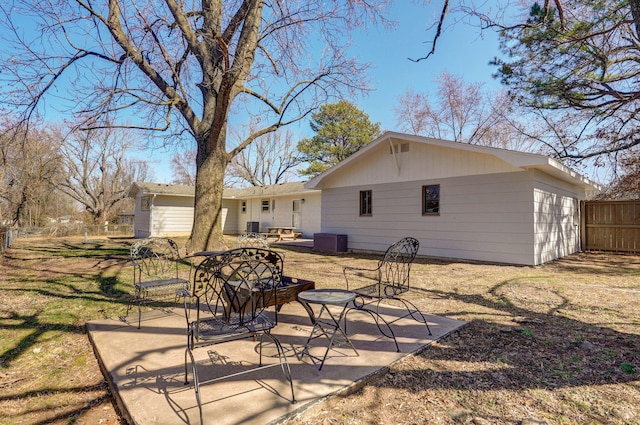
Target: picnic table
(282, 232)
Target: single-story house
(126, 217)
(167, 209)
(459, 200)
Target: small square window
(431, 199)
(365, 203)
(145, 203)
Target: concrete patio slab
(145, 367)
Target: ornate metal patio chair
(156, 273)
(235, 295)
(252, 240)
(386, 283)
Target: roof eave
(523, 160)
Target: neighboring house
(165, 209)
(459, 200)
(162, 209)
(126, 218)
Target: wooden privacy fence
(610, 226)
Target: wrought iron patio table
(328, 323)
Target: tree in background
(341, 130)
(97, 171)
(579, 62)
(463, 112)
(183, 166)
(271, 159)
(626, 183)
(30, 162)
(573, 64)
(182, 67)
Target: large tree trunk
(211, 162)
(222, 80)
(635, 12)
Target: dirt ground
(553, 344)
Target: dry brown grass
(555, 344)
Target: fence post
(583, 227)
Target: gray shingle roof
(229, 193)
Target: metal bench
(156, 276)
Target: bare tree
(183, 166)
(29, 165)
(271, 159)
(98, 172)
(626, 182)
(183, 66)
(457, 112)
(462, 112)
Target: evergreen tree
(341, 130)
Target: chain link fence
(64, 230)
(6, 238)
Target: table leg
(332, 327)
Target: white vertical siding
(266, 218)
(141, 221)
(252, 213)
(557, 223)
(483, 217)
(495, 205)
(426, 161)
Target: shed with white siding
(162, 209)
(459, 200)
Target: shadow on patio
(145, 367)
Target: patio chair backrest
(395, 266)
(239, 283)
(155, 258)
(252, 240)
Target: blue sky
(461, 51)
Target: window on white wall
(431, 199)
(145, 203)
(265, 205)
(243, 207)
(365, 203)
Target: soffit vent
(399, 147)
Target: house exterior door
(295, 215)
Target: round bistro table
(328, 323)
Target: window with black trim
(431, 199)
(265, 205)
(365, 202)
(244, 207)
